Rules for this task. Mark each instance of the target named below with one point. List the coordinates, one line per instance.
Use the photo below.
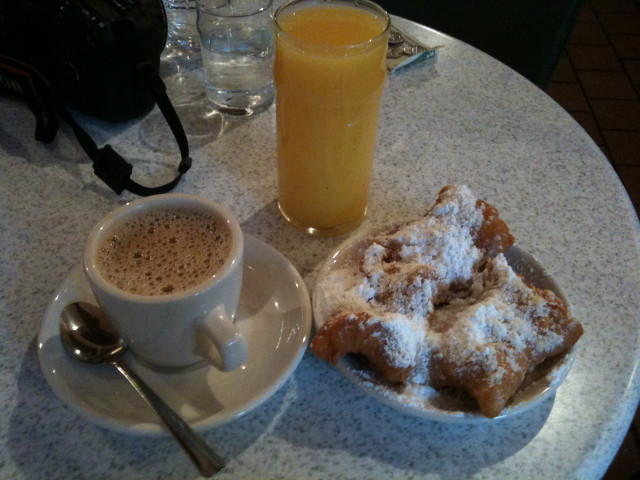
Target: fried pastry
(390, 342)
(435, 302)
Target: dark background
(527, 35)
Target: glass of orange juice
(329, 73)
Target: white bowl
(444, 405)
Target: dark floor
(597, 81)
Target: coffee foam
(164, 251)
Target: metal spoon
(88, 337)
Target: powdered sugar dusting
(403, 336)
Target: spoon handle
(208, 462)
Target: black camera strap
(108, 165)
(126, 34)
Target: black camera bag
(100, 56)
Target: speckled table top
(465, 119)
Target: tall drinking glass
(236, 38)
(329, 73)
(181, 25)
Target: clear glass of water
(181, 22)
(237, 46)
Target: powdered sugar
(404, 337)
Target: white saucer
(274, 315)
(424, 401)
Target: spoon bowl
(88, 336)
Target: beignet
(435, 302)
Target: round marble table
(464, 119)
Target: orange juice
(329, 73)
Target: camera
(101, 56)
(76, 46)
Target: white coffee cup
(182, 328)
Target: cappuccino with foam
(164, 251)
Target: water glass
(236, 38)
(181, 24)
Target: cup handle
(229, 349)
